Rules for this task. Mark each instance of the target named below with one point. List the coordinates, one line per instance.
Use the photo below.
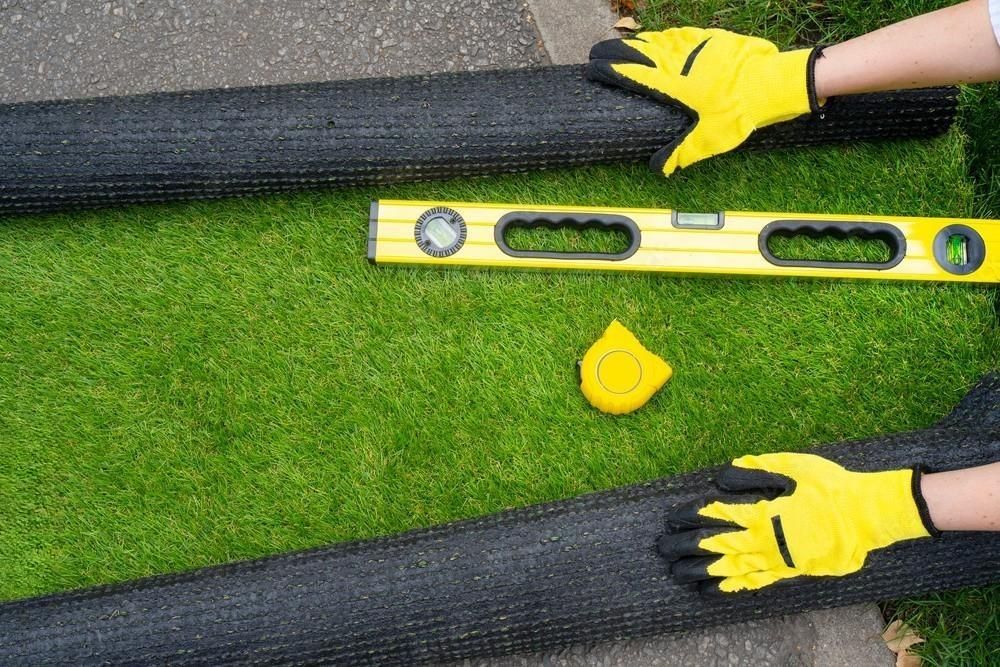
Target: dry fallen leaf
(899, 637)
(628, 23)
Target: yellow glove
(729, 83)
(796, 514)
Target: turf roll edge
(579, 570)
(224, 142)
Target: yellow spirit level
(736, 243)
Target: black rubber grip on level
(888, 234)
(576, 221)
(217, 143)
(576, 571)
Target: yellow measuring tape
(734, 243)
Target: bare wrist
(967, 499)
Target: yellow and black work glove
(791, 515)
(730, 84)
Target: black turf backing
(581, 570)
(216, 143)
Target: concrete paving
(569, 27)
(836, 638)
(57, 49)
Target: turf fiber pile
(215, 143)
(551, 575)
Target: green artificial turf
(195, 383)
(607, 241)
(980, 109)
(189, 384)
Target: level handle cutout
(556, 235)
(832, 244)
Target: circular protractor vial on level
(440, 231)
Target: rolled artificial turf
(580, 570)
(216, 143)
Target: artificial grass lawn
(196, 383)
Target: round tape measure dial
(618, 375)
(619, 371)
(440, 231)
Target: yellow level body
(731, 242)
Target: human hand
(790, 515)
(731, 84)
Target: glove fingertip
(688, 542)
(603, 71)
(620, 50)
(712, 588)
(665, 544)
(600, 70)
(608, 72)
(735, 477)
(678, 545)
(739, 478)
(664, 161)
(691, 570)
(603, 50)
(685, 516)
(749, 461)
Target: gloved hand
(729, 83)
(793, 515)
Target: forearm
(952, 45)
(966, 499)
